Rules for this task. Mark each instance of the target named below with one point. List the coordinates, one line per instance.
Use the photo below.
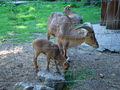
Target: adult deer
(53, 21)
(53, 24)
(68, 36)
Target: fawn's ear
(68, 60)
(65, 63)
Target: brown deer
(53, 24)
(68, 36)
(53, 21)
(76, 19)
(51, 51)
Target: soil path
(16, 65)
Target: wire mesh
(20, 20)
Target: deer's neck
(71, 38)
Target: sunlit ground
(3, 53)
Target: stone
(101, 75)
(42, 87)
(54, 80)
(31, 86)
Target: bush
(50, 0)
(93, 2)
(35, 0)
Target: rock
(101, 75)
(20, 65)
(113, 74)
(30, 86)
(53, 80)
(23, 86)
(3, 88)
(43, 87)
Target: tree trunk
(103, 12)
(110, 14)
(118, 17)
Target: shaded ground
(107, 64)
(16, 65)
(108, 39)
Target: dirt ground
(16, 65)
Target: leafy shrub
(50, 0)
(93, 2)
(74, 5)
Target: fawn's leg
(47, 63)
(35, 60)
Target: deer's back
(45, 46)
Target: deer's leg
(65, 50)
(62, 51)
(60, 47)
(65, 53)
(48, 36)
(47, 63)
(35, 60)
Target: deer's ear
(68, 7)
(66, 63)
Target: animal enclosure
(23, 21)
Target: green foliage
(75, 77)
(92, 2)
(19, 22)
(49, 0)
(97, 3)
(35, 0)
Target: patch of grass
(74, 77)
(29, 18)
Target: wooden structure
(110, 14)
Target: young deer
(51, 51)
